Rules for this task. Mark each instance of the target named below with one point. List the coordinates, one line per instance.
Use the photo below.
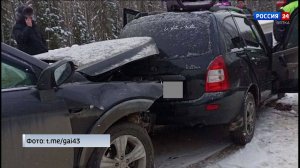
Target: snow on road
(275, 144)
(179, 147)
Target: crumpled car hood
(97, 58)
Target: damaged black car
(77, 96)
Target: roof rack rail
(228, 8)
(189, 5)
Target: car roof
(161, 17)
(23, 56)
(155, 16)
(222, 14)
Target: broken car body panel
(96, 58)
(105, 95)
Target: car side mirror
(269, 39)
(55, 75)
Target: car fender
(112, 116)
(238, 120)
(256, 92)
(253, 88)
(109, 102)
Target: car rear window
(177, 35)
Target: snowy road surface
(275, 144)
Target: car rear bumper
(194, 112)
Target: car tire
(244, 134)
(137, 141)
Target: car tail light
(217, 78)
(211, 107)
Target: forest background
(68, 22)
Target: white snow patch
(290, 98)
(275, 143)
(249, 157)
(98, 51)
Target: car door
(285, 60)
(258, 55)
(22, 112)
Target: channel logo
(282, 16)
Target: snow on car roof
(168, 16)
(94, 52)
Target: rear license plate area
(172, 89)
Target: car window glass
(231, 35)
(12, 77)
(177, 35)
(293, 36)
(246, 32)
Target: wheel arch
(253, 88)
(237, 121)
(111, 117)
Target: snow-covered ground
(275, 144)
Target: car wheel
(244, 134)
(131, 147)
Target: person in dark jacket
(29, 38)
(280, 28)
(242, 5)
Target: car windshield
(177, 35)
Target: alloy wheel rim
(250, 118)
(125, 151)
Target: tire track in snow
(216, 156)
